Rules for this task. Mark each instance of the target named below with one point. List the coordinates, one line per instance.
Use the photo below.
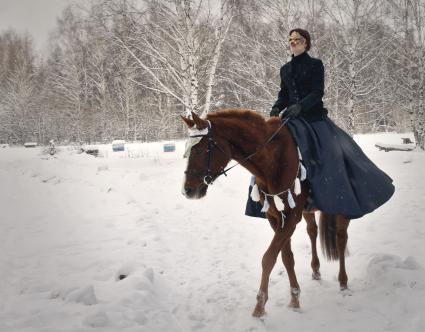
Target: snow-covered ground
(72, 224)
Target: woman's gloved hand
(292, 111)
(275, 111)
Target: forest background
(126, 69)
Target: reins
(208, 179)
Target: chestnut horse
(266, 149)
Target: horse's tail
(327, 226)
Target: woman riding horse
(340, 179)
(344, 184)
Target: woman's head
(299, 41)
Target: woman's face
(297, 43)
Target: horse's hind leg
(288, 261)
(341, 242)
(312, 233)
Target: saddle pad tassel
(252, 181)
(303, 175)
(255, 193)
(297, 186)
(291, 201)
(266, 205)
(280, 206)
(283, 218)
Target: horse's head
(207, 155)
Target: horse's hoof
(316, 276)
(295, 295)
(345, 291)
(261, 302)
(295, 309)
(258, 312)
(294, 304)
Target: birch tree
(68, 75)
(409, 43)
(356, 43)
(18, 88)
(177, 48)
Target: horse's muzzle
(195, 193)
(187, 191)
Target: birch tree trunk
(410, 16)
(178, 51)
(220, 36)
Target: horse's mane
(244, 114)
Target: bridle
(209, 177)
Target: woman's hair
(305, 34)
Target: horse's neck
(274, 162)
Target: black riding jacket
(302, 82)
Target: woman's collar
(300, 57)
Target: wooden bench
(90, 151)
(395, 147)
(30, 144)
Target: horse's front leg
(289, 262)
(282, 235)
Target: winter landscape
(72, 224)
(107, 242)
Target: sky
(37, 17)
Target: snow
(111, 244)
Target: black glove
(275, 111)
(292, 111)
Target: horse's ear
(200, 123)
(188, 121)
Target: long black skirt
(342, 179)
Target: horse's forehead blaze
(191, 142)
